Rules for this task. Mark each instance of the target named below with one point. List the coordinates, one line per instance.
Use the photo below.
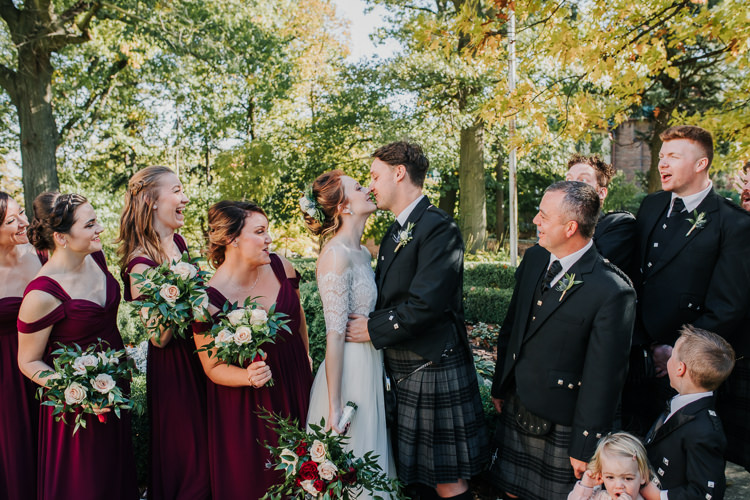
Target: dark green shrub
(131, 327)
(316, 323)
(140, 428)
(489, 275)
(488, 305)
(306, 268)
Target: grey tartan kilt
(440, 435)
(531, 467)
(733, 407)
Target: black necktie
(659, 424)
(677, 207)
(554, 270)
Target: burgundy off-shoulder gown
(235, 432)
(176, 394)
(19, 411)
(97, 462)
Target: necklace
(257, 277)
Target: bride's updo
(320, 205)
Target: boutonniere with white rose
(698, 221)
(403, 236)
(240, 333)
(85, 380)
(566, 283)
(316, 465)
(172, 295)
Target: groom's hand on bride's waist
(356, 329)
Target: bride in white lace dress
(351, 371)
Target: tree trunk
(472, 200)
(661, 123)
(499, 199)
(447, 202)
(33, 101)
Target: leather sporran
(389, 396)
(529, 422)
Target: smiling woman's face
(14, 224)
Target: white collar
(568, 261)
(692, 200)
(682, 400)
(405, 213)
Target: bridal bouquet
(173, 295)
(316, 466)
(85, 379)
(241, 331)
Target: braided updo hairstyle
(53, 213)
(328, 193)
(225, 222)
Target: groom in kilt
(418, 321)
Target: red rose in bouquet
(350, 477)
(319, 485)
(309, 470)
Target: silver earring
(154, 206)
(65, 245)
(234, 244)
(347, 210)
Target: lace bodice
(347, 285)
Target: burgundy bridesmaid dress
(97, 462)
(235, 432)
(19, 411)
(176, 395)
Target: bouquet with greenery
(240, 332)
(173, 295)
(316, 466)
(85, 380)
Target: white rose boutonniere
(403, 236)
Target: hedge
(489, 275)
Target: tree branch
(116, 67)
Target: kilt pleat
(441, 435)
(531, 467)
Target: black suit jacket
(702, 278)
(615, 239)
(687, 453)
(569, 364)
(420, 287)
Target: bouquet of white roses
(173, 295)
(85, 380)
(241, 331)
(316, 466)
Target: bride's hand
(333, 418)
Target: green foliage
(316, 323)
(489, 274)
(489, 305)
(131, 326)
(141, 429)
(623, 195)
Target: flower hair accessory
(309, 205)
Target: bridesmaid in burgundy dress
(175, 382)
(19, 412)
(74, 298)
(238, 249)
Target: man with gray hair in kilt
(440, 436)
(562, 353)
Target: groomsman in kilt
(692, 267)
(418, 321)
(562, 352)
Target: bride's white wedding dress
(347, 285)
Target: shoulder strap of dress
(138, 260)
(278, 268)
(100, 260)
(47, 285)
(215, 297)
(43, 256)
(180, 242)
